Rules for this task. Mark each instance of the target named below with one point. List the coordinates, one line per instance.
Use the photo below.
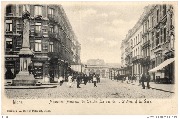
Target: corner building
(55, 46)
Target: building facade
(52, 40)
(97, 66)
(153, 39)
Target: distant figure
(30, 68)
(78, 79)
(148, 78)
(98, 79)
(61, 80)
(127, 79)
(94, 80)
(143, 78)
(9, 74)
(70, 81)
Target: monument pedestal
(24, 79)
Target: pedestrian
(78, 80)
(94, 80)
(148, 78)
(70, 81)
(98, 79)
(127, 79)
(61, 80)
(140, 79)
(143, 78)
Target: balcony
(41, 55)
(53, 35)
(145, 60)
(146, 44)
(137, 58)
(53, 55)
(52, 18)
(157, 48)
(11, 52)
(37, 34)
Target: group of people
(125, 78)
(81, 78)
(144, 77)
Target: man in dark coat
(143, 78)
(148, 78)
(78, 80)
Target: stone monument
(24, 77)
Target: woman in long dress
(70, 81)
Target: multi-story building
(52, 40)
(153, 40)
(162, 40)
(122, 69)
(136, 38)
(97, 66)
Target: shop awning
(162, 65)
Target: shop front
(164, 73)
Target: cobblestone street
(105, 89)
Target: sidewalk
(161, 87)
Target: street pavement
(105, 89)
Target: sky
(101, 26)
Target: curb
(29, 87)
(155, 88)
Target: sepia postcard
(89, 58)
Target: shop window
(37, 10)
(9, 43)
(37, 45)
(8, 25)
(51, 46)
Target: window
(161, 35)
(51, 29)
(8, 25)
(152, 39)
(50, 46)
(37, 45)
(51, 12)
(164, 34)
(145, 27)
(164, 10)
(157, 38)
(37, 10)
(152, 20)
(9, 43)
(148, 24)
(8, 9)
(131, 42)
(157, 15)
(37, 27)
